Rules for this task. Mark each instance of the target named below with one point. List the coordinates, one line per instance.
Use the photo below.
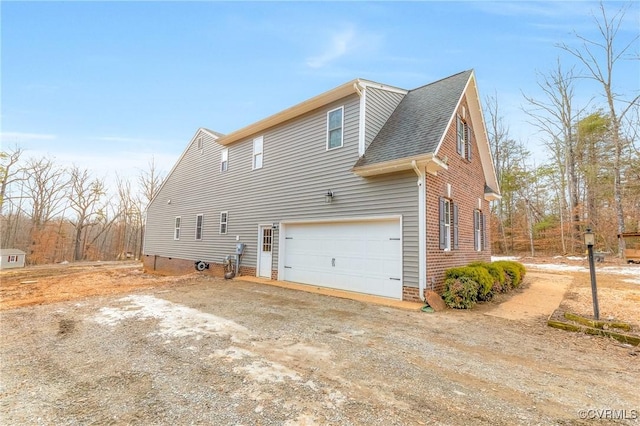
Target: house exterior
(367, 188)
(12, 258)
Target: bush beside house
(479, 281)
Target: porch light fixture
(589, 238)
(328, 198)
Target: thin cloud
(342, 43)
(24, 137)
(122, 139)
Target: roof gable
(416, 126)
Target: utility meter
(240, 248)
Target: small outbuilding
(12, 258)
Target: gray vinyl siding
(296, 174)
(379, 106)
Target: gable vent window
(257, 152)
(199, 143)
(335, 119)
(224, 160)
(463, 139)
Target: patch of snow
(575, 258)
(174, 320)
(556, 267)
(496, 258)
(632, 281)
(614, 270)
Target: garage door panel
(362, 256)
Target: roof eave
(292, 112)
(430, 162)
(492, 196)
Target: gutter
(422, 231)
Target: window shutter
(469, 134)
(443, 229)
(455, 226)
(476, 226)
(485, 241)
(458, 135)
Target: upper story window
(224, 220)
(199, 221)
(464, 133)
(335, 121)
(199, 143)
(224, 160)
(176, 229)
(257, 152)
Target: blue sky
(108, 85)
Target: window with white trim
(464, 137)
(224, 221)
(461, 137)
(176, 228)
(335, 121)
(258, 152)
(479, 230)
(448, 218)
(224, 160)
(199, 142)
(13, 259)
(199, 221)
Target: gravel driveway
(210, 351)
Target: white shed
(12, 258)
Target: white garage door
(364, 257)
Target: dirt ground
(104, 343)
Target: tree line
(58, 214)
(590, 177)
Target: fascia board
(292, 112)
(397, 165)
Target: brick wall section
(411, 294)
(467, 186)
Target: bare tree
(502, 149)
(150, 181)
(86, 196)
(46, 187)
(555, 116)
(8, 172)
(600, 58)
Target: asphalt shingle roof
(417, 124)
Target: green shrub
(497, 274)
(515, 271)
(477, 274)
(460, 293)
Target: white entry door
(360, 256)
(265, 250)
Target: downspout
(422, 231)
